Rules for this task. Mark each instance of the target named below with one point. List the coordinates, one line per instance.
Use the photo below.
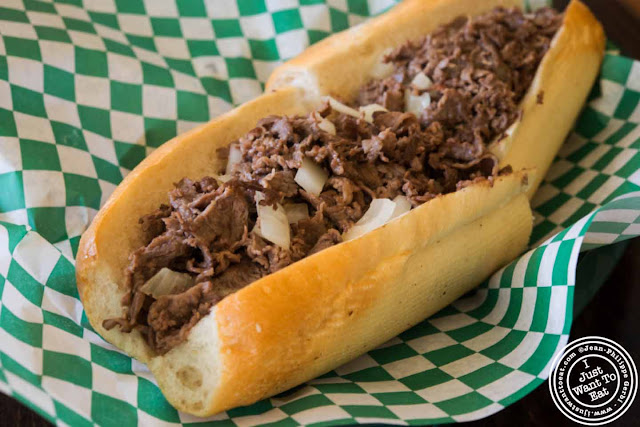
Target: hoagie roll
(384, 173)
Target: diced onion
(368, 111)
(416, 104)
(259, 197)
(382, 69)
(296, 212)
(403, 205)
(378, 209)
(311, 177)
(224, 178)
(341, 108)
(235, 156)
(365, 112)
(274, 225)
(167, 282)
(421, 81)
(324, 124)
(327, 126)
(379, 213)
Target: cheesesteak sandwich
(383, 174)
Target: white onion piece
(324, 124)
(341, 108)
(274, 225)
(365, 112)
(377, 209)
(416, 104)
(223, 178)
(382, 69)
(368, 111)
(259, 197)
(296, 212)
(403, 205)
(235, 157)
(378, 214)
(421, 81)
(327, 126)
(167, 282)
(256, 227)
(311, 177)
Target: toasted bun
(322, 311)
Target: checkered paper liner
(89, 88)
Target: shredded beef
(325, 241)
(152, 224)
(282, 182)
(172, 316)
(480, 69)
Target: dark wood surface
(613, 312)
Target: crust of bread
(352, 54)
(563, 80)
(321, 311)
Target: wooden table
(613, 312)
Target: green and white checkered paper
(89, 87)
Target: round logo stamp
(593, 381)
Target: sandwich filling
(294, 186)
